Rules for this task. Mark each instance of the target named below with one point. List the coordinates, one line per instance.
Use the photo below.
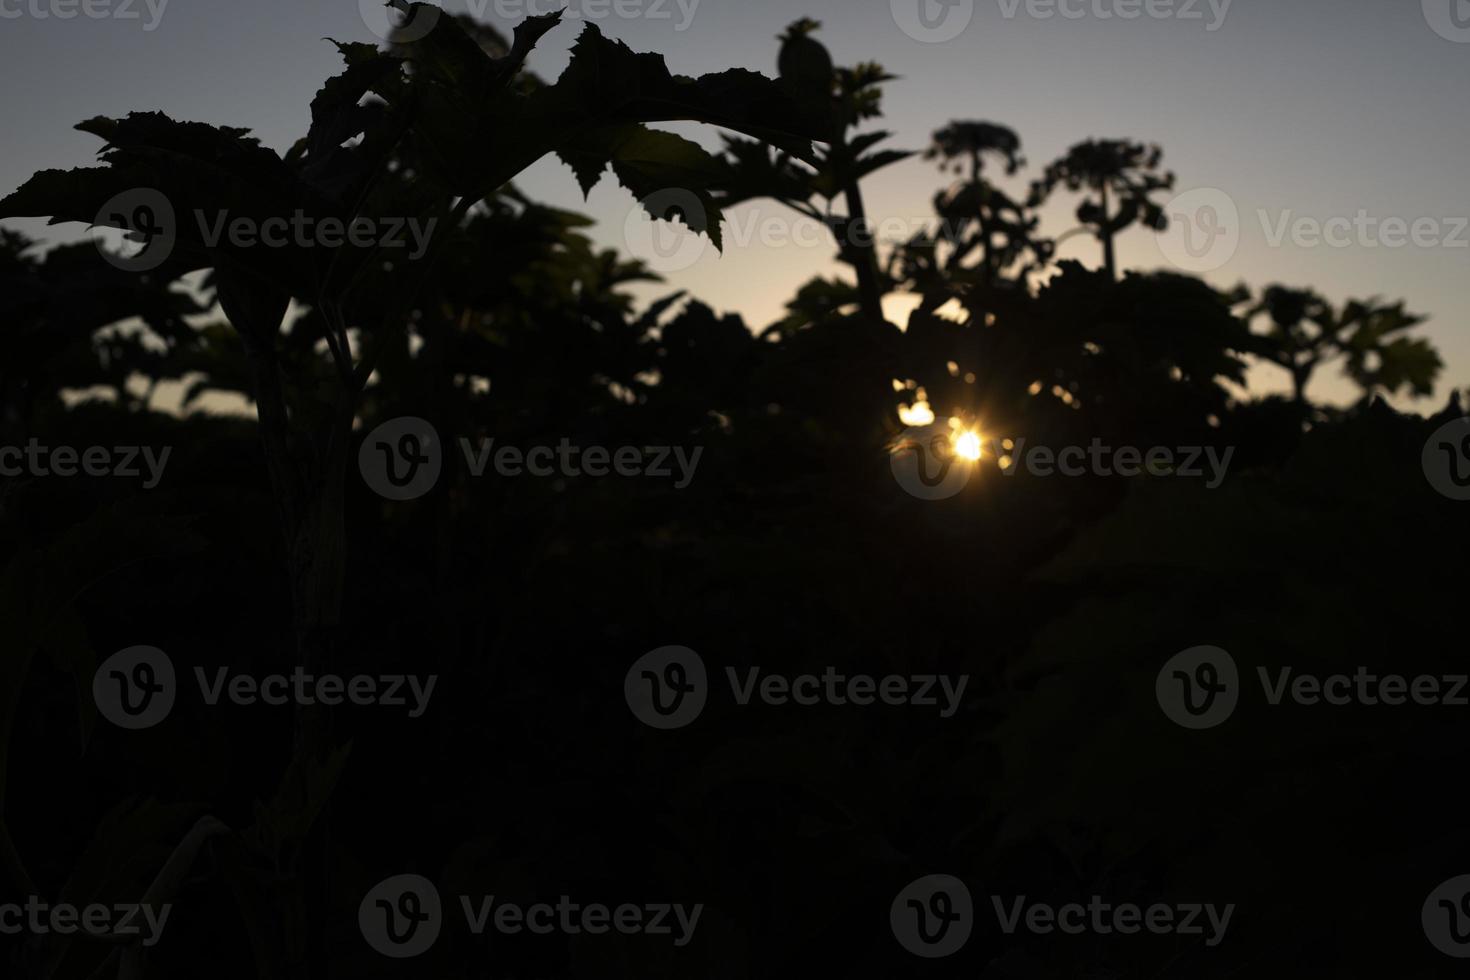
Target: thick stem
(1300, 375)
(863, 254)
(318, 584)
(275, 434)
(309, 495)
(318, 567)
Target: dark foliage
(793, 549)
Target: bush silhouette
(794, 548)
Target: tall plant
(473, 122)
(1118, 179)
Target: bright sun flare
(967, 446)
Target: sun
(967, 445)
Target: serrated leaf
(338, 115)
(650, 162)
(605, 84)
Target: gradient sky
(1320, 108)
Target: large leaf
(647, 162)
(479, 132)
(339, 115)
(751, 169)
(206, 173)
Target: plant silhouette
(1307, 333)
(795, 548)
(1118, 179)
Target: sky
(1319, 143)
